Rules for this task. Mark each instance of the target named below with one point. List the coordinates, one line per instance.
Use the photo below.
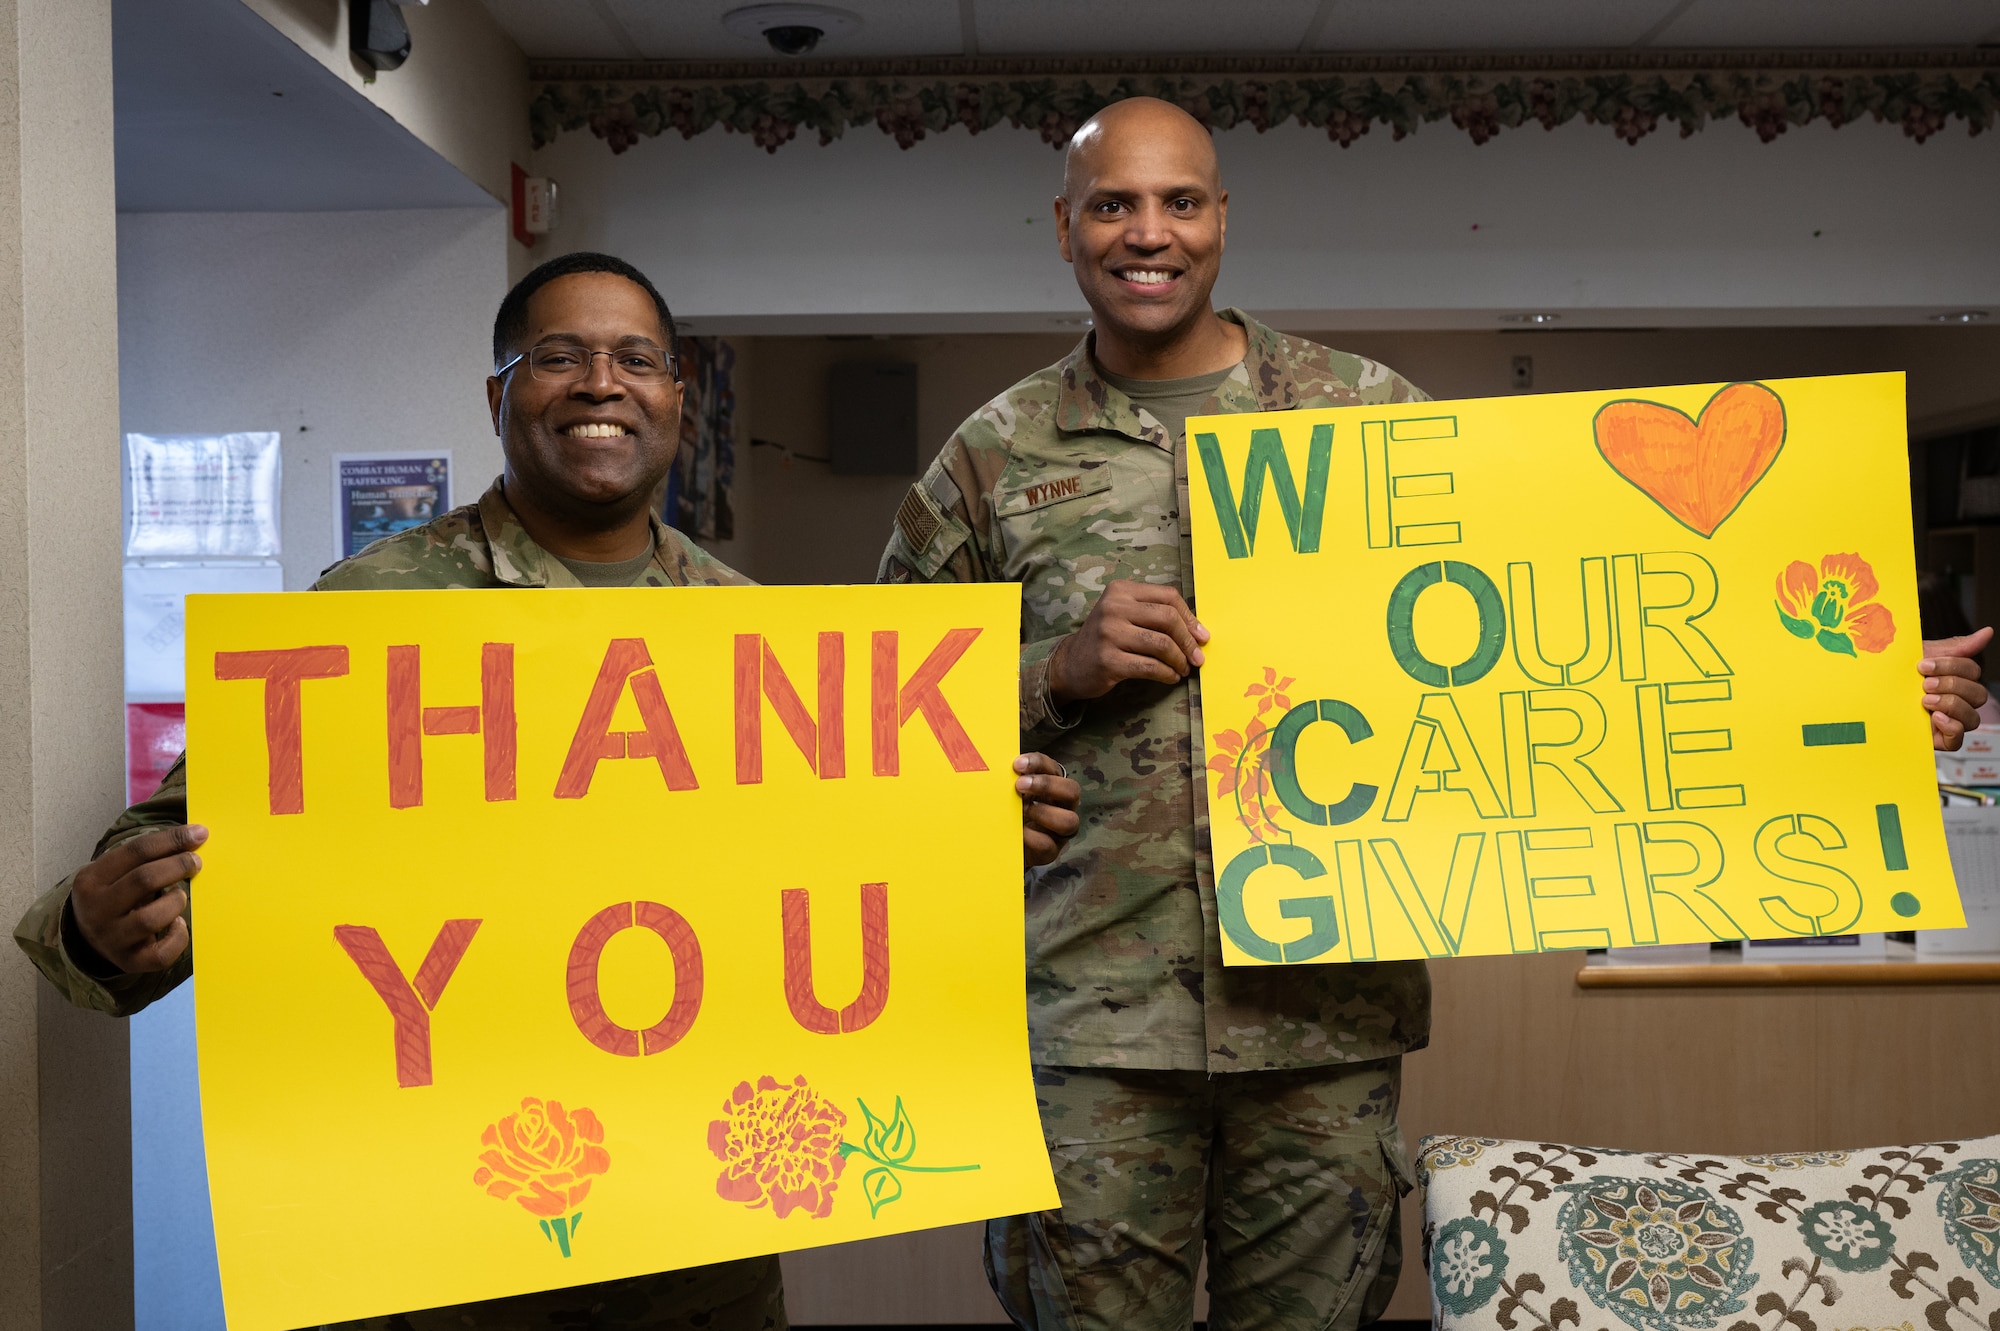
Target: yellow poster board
(1577, 670)
(549, 937)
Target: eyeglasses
(567, 363)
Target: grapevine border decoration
(1633, 94)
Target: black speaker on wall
(871, 418)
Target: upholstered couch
(1536, 1236)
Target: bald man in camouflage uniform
(1182, 1102)
(588, 413)
(1250, 1108)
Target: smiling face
(1141, 221)
(585, 458)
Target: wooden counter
(1729, 970)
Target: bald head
(1145, 126)
(1141, 222)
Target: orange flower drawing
(780, 1147)
(544, 1157)
(1834, 605)
(1237, 759)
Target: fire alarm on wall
(534, 206)
(539, 205)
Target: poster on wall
(202, 496)
(678, 928)
(1578, 670)
(380, 494)
(155, 618)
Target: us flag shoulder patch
(918, 518)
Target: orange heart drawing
(1697, 470)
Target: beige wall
(65, 1234)
(802, 524)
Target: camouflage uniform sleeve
(1375, 375)
(1042, 718)
(942, 534)
(1325, 377)
(48, 932)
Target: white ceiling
(692, 29)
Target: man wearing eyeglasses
(586, 401)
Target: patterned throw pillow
(1536, 1236)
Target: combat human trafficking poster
(549, 937)
(1578, 670)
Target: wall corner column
(65, 1177)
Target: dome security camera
(791, 30)
(793, 38)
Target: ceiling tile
(1140, 27)
(1475, 25)
(1903, 23)
(692, 30)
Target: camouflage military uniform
(1063, 485)
(480, 545)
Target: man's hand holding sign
(1953, 694)
(130, 903)
(1136, 630)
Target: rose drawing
(1835, 605)
(780, 1147)
(544, 1157)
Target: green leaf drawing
(890, 1146)
(1836, 642)
(1798, 628)
(878, 1131)
(881, 1187)
(562, 1230)
(900, 1143)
